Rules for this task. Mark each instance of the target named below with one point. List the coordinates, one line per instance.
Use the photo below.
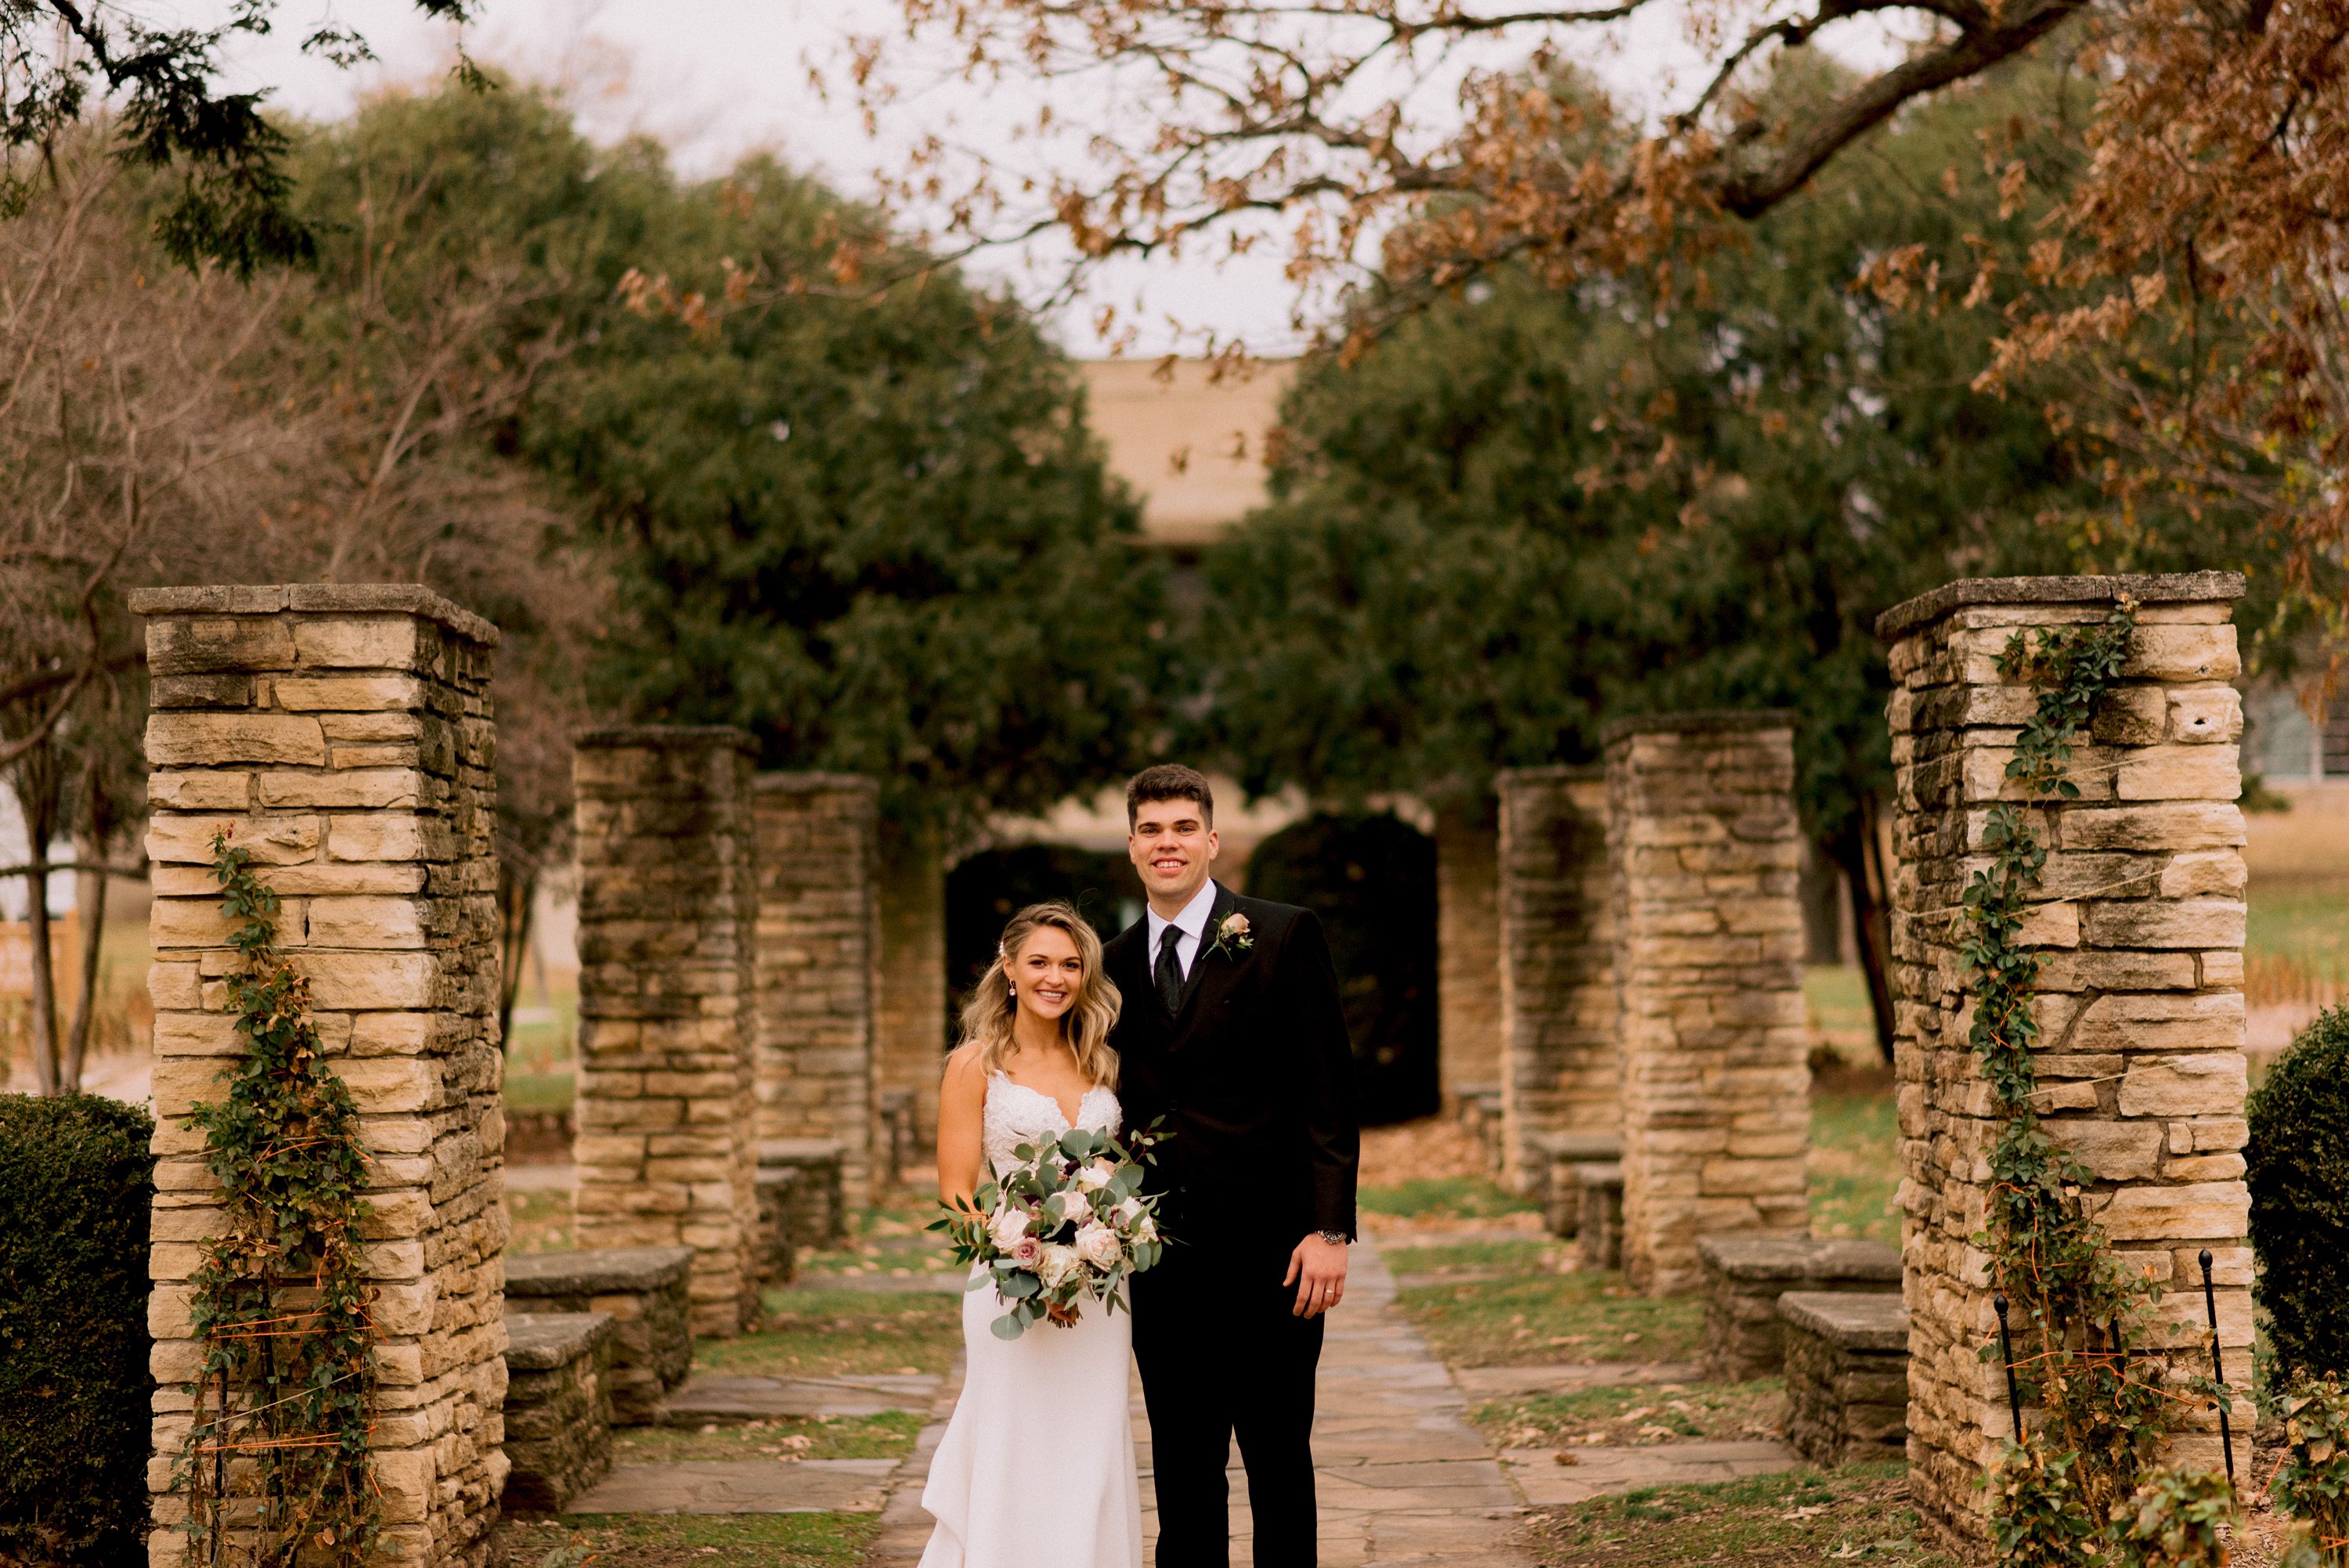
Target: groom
(1232, 1032)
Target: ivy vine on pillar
(275, 1466)
(2067, 1490)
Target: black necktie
(1169, 973)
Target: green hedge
(76, 1419)
(2300, 1201)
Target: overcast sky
(716, 78)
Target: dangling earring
(1013, 995)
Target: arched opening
(1371, 878)
(984, 891)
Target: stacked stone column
(668, 914)
(2139, 1005)
(1468, 951)
(1558, 970)
(910, 1015)
(345, 736)
(1705, 849)
(819, 945)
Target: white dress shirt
(1192, 921)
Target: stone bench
(1846, 1375)
(778, 1250)
(558, 1415)
(1549, 1161)
(1746, 1274)
(643, 1289)
(1598, 1212)
(818, 1216)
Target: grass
(889, 1436)
(1854, 1167)
(831, 1332)
(1635, 1415)
(1576, 1318)
(1793, 1519)
(548, 1090)
(685, 1539)
(1443, 1198)
(541, 1221)
(1461, 1257)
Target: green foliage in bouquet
(1084, 1225)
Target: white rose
(1058, 1265)
(1008, 1227)
(1073, 1206)
(1130, 1210)
(1099, 1245)
(1096, 1176)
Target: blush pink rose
(1074, 1207)
(1008, 1228)
(1099, 1245)
(1026, 1251)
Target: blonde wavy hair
(987, 1016)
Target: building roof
(1192, 447)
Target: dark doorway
(986, 891)
(1371, 878)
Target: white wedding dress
(1036, 1470)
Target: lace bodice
(1015, 1114)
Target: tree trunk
(516, 896)
(45, 984)
(93, 942)
(1858, 850)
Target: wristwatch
(1335, 1238)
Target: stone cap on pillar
(1719, 720)
(663, 736)
(2145, 587)
(1850, 1319)
(317, 599)
(797, 782)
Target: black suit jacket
(1254, 1076)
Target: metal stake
(2217, 1370)
(2006, 1354)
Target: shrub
(2313, 1483)
(2299, 1160)
(75, 1421)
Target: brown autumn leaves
(2183, 312)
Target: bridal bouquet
(1068, 1222)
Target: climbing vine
(284, 1394)
(2065, 1491)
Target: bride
(1036, 1468)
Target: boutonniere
(1233, 936)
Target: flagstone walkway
(1404, 1480)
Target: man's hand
(1318, 1269)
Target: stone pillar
(344, 734)
(668, 914)
(1468, 951)
(1703, 851)
(2139, 1006)
(819, 945)
(1558, 967)
(911, 1038)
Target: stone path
(1598, 1471)
(1405, 1481)
(740, 1486)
